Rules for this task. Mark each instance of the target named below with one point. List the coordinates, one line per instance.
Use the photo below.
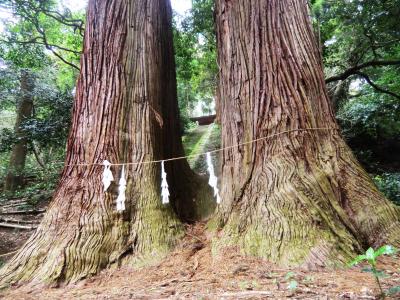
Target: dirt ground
(11, 239)
(191, 272)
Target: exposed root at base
(192, 271)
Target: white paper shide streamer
(121, 191)
(213, 181)
(164, 185)
(107, 175)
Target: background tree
(15, 176)
(299, 198)
(44, 111)
(23, 60)
(195, 52)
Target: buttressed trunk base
(125, 111)
(299, 198)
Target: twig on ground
(8, 254)
(16, 226)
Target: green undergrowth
(192, 138)
(201, 140)
(39, 182)
(213, 142)
(7, 119)
(371, 257)
(389, 185)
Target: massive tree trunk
(125, 111)
(15, 175)
(301, 197)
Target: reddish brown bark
(125, 111)
(300, 197)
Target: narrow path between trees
(202, 139)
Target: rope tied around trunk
(208, 152)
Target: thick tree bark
(125, 111)
(299, 198)
(15, 175)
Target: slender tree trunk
(339, 94)
(299, 198)
(125, 111)
(15, 175)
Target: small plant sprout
(243, 285)
(289, 275)
(292, 285)
(370, 257)
(308, 279)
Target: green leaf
(367, 270)
(385, 250)
(393, 290)
(370, 254)
(292, 285)
(289, 275)
(379, 274)
(308, 279)
(357, 260)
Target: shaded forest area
(206, 61)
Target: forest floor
(18, 220)
(191, 271)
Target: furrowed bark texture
(300, 198)
(125, 111)
(15, 175)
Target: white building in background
(202, 108)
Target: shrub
(389, 185)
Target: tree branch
(35, 151)
(36, 41)
(356, 69)
(31, 11)
(62, 59)
(76, 24)
(376, 87)
(46, 44)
